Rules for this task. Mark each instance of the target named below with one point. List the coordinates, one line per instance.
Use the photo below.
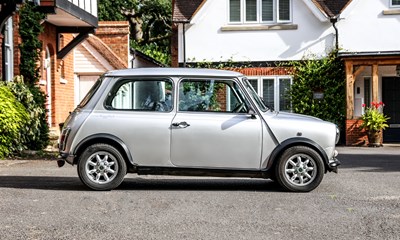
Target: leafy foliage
(36, 132)
(30, 47)
(13, 118)
(324, 75)
(373, 119)
(150, 22)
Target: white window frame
(394, 5)
(8, 50)
(276, 80)
(259, 13)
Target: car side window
(210, 95)
(141, 95)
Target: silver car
(192, 122)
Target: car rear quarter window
(141, 95)
(91, 92)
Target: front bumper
(334, 163)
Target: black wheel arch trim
(108, 137)
(297, 141)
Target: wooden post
(349, 89)
(375, 83)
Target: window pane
(142, 95)
(395, 2)
(209, 96)
(284, 10)
(234, 11)
(267, 10)
(268, 92)
(284, 97)
(251, 10)
(254, 84)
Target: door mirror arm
(252, 113)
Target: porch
(372, 77)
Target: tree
(150, 23)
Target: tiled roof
(184, 10)
(332, 7)
(106, 52)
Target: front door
(212, 128)
(390, 92)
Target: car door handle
(181, 124)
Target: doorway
(390, 92)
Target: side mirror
(252, 113)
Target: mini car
(192, 122)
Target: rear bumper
(66, 157)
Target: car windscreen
(91, 92)
(257, 99)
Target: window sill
(259, 27)
(391, 12)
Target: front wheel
(101, 167)
(300, 169)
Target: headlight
(337, 135)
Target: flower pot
(374, 139)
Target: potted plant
(373, 122)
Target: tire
(101, 167)
(299, 169)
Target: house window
(274, 91)
(260, 11)
(395, 3)
(8, 53)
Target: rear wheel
(101, 167)
(300, 169)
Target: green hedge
(13, 119)
(22, 118)
(320, 75)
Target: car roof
(172, 72)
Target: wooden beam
(375, 83)
(349, 89)
(358, 71)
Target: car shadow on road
(200, 184)
(142, 184)
(42, 183)
(371, 162)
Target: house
(76, 50)
(261, 34)
(66, 25)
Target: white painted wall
(363, 27)
(206, 41)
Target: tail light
(63, 138)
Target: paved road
(38, 200)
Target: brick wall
(116, 36)
(354, 135)
(62, 91)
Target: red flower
(363, 105)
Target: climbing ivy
(31, 46)
(322, 76)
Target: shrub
(13, 118)
(36, 132)
(325, 75)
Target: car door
(212, 127)
(139, 112)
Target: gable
(332, 7)
(184, 10)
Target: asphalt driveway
(38, 200)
